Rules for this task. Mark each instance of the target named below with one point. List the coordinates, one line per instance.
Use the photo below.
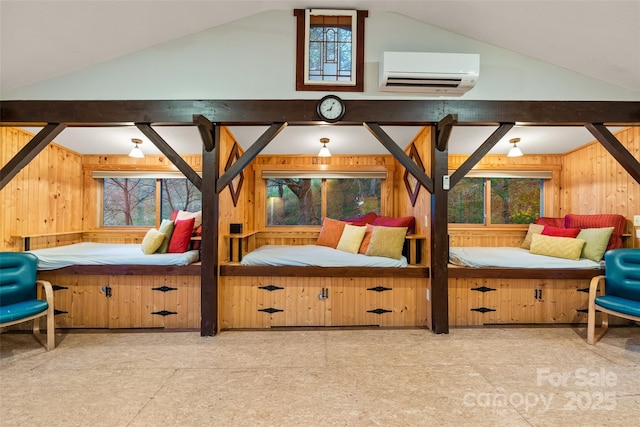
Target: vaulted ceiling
(44, 39)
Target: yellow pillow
(533, 229)
(152, 241)
(559, 247)
(351, 238)
(387, 242)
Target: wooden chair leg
(51, 330)
(594, 336)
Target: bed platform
(104, 293)
(556, 291)
(255, 296)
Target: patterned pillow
(559, 247)
(387, 242)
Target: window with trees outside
(491, 201)
(140, 202)
(305, 201)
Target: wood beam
(251, 153)
(210, 237)
(443, 131)
(439, 241)
(477, 155)
(205, 127)
(400, 155)
(29, 152)
(616, 149)
(265, 112)
(174, 157)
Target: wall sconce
(515, 150)
(136, 151)
(324, 151)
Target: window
(305, 201)
(507, 200)
(143, 202)
(330, 50)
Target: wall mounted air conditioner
(429, 73)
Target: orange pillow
(330, 232)
(365, 241)
(181, 236)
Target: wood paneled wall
(43, 198)
(62, 178)
(593, 182)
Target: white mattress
(88, 253)
(511, 257)
(313, 255)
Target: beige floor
(480, 377)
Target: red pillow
(197, 233)
(619, 223)
(362, 220)
(404, 221)
(550, 230)
(548, 220)
(181, 236)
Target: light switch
(638, 234)
(636, 220)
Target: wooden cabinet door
(467, 302)
(303, 302)
(245, 302)
(79, 301)
(134, 304)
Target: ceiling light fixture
(136, 151)
(515, 150)
(324, 151)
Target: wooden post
(210, 236)
(439, 240)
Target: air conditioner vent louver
(425, 73)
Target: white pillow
(197, 217)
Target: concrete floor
(328, 377)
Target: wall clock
(331, 108)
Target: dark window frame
(329, 86)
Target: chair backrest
(623, 273)
(17, 277)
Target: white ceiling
(43, 39)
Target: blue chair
(19, 292)
(620, 294)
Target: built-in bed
(499, 285)
(104, 285)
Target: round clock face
(331, 108)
